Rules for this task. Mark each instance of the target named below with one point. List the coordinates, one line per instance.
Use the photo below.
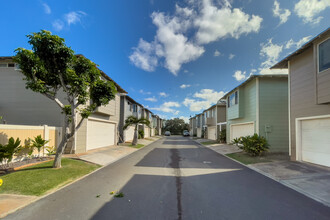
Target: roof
(283, 64)
(119, 88)
(253, 77)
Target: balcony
(210, 121)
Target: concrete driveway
(175, 178)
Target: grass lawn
(209, 142)
(246, 159)
(38, 179)
(137, 146)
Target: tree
(131, 120)
(50, 68)
(175, 126)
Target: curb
(297, 189)
(2, 215)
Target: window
(324, 55)
(11, 64)
(233, 99)
(3, 65)
(134, 108)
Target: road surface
(175, 178)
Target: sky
(177, 58)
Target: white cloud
(309, 9)
(58, 25)
(180, 37)
(144, 57)
(47, 9)
(205, 98)
(282, 14)
(297, 44)
(217, 53)
(186, 119)
(215, 23)
(144, 92)
(239, 75)
(163, 94)
(74, 17)
(271, 52)
(168, 107)
(183, 86)
(231, 56)
(151, 99)
(185, 71)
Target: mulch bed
(24, 163)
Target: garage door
(129, 133)
(315, 141)
(241, 130)
(100, 134)
(211, 133)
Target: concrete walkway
(9, 203)
(308, 179)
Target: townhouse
(259, 105)
(309, 100)
(215, 120)
(20, 106)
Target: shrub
(50, 151)
(254, 145)
(141, 134)
(7, 151)
(156, 132)
(39, 143)
(222, 136)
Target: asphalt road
(174, 178)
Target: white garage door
(100, 134)
(241, 130)
(315, 141)
(129, 133)
(211, 133)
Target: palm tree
(131, 120)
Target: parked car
(186, 133)
(167, 133)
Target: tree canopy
(175, 126)
(51, 67)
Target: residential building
(309, 100)
(215, 120)
(128, 107)
(260, 105)
(193, 126)
(21, 106)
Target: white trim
(298, 133)
(102, 120)
(257, 106)
(317, 55)
(231, 125)
(289, 107)
(222, 123)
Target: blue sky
(175, 57)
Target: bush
(7, 151)
(39, 143)
(156, 132)
(254, 145)
(141, 134)
(222, 136)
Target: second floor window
(134, 108)
(324, 55)
(233, 99)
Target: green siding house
(260, 105)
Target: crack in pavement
(175, 163)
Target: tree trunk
(58, 156)
(61, 147)
(135, 138)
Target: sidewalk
(103, 156)
(308, 179)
